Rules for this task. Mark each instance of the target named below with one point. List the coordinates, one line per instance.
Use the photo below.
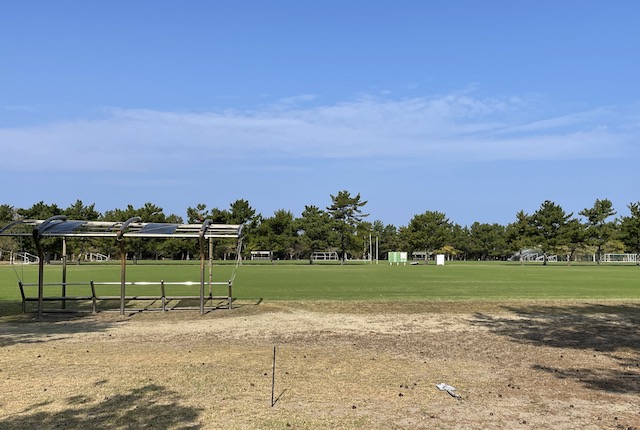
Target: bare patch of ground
(339, 365)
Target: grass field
(456, 281)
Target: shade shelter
(121, 231)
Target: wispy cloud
(18, 108)
(460, 125)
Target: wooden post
(164, 297)
(93, 296)
(24, 301)
(123, 274)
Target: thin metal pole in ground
(273, 378)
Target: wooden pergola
(121, 231)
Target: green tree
(315, 230)
(575, 238)
(519, 234)
(598, 230)
(630, 230)
(277, 234)
(363, 240)
(346, 212)
(459, 243)
(487, 241)
(149, 212)
(79, 211)
(386, 239)
(241, 212)
(78, 247)
(8, 214)
(549, 224)
(42, 211)
(197, 214)
(200, 213)
(146, 248)
(429, 231)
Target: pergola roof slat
(78, 228)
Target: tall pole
(273, 378)
(211, 266)
(36, 238)
(64, 272)
(123, 274)
(123, 259)
(203, 231)
(201, 276)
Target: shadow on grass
(16, 327)
(151, 406)
(613, 330)
(10, 309)
(24, 328)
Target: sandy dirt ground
(529, 365)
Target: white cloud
(457, 125)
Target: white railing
(619, 258)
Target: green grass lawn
(454, 281)
(458, 281)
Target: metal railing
(164, 298)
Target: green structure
(397, 258)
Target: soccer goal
(24, 258)
(550, 258)
(96, 256)
(325, 256)
(261, 255)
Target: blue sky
(475, 109)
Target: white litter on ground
(449, 389)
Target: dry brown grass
(369, 365)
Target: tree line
(342, 227)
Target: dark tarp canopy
(59, 226)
